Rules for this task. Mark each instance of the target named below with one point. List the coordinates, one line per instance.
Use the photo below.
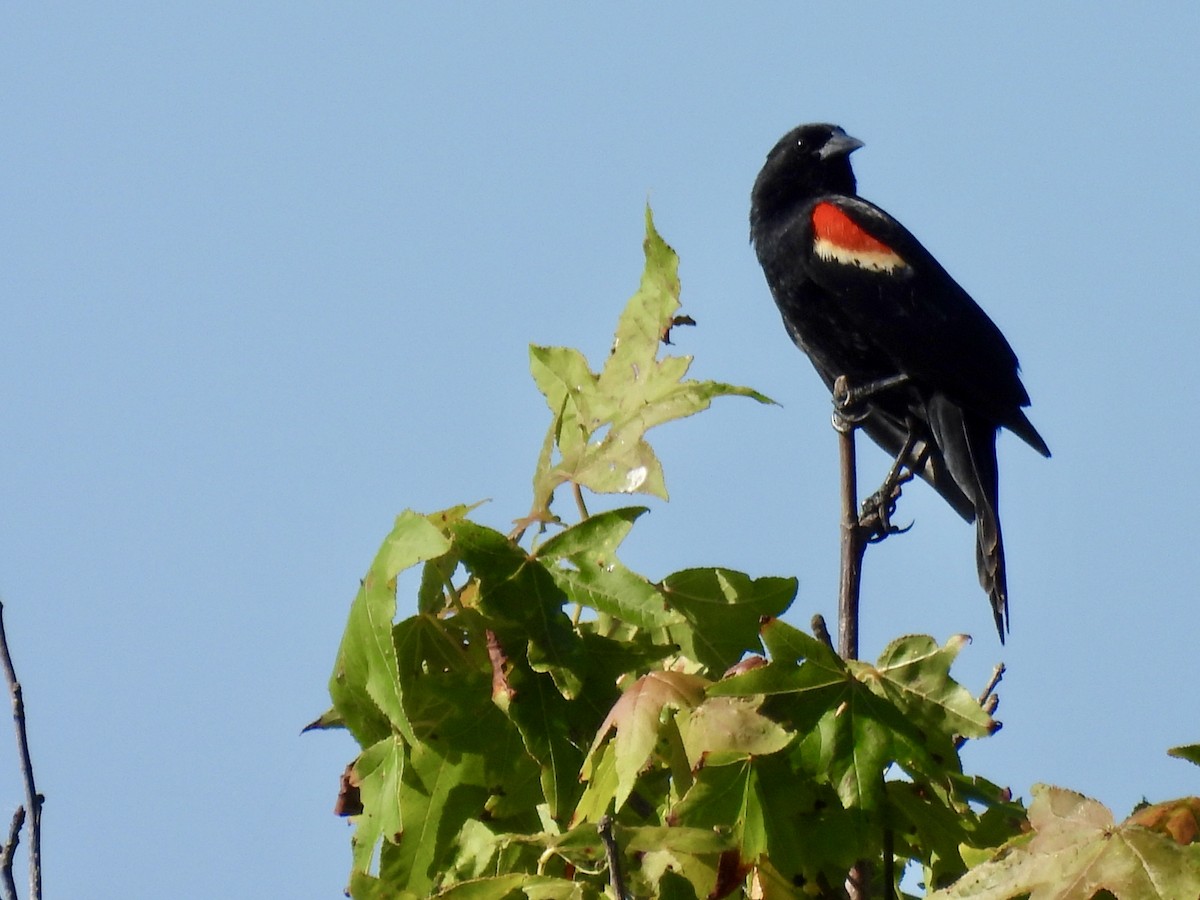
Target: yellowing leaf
(730, 725)
(600, 421)
(636, 718)
(1075, 851)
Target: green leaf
(544, 719)
(728, 798)
(914, 672)
(1190, 752)
(723, 609)
(437, 795)
(1075, 851)
(446, 680)
(699, 841)
(517, 590)
(378, 771)
(584, 563)
(506, 887)
(364, 686)
(812, 837)
(600, 774)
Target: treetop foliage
(542, 689)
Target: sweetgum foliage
(543, 687)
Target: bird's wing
(893, 289)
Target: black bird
(862, 298)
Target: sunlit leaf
(1075, 850)
(600, 420)
(636, 718)
(364, 686)
(583, 561)
(730, 725)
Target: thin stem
(853, 546)
(583, 513)
(33, 800)
(615, 877)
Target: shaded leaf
(517, 590)
(543, 717)
(727, 798)
(437, 794)
(723, 609)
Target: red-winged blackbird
(862, 297)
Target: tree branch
(9, 851)
(853, 545)
(33, 800)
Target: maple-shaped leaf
(636, 717)
(583, 560)
(799, 664)
(724, 610)
(597, 436)
(1075, 851)
(914, 672)
(518, 590)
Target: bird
(864, 299)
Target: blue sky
(270, 274)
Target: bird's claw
(875, 518)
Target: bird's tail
(969, 447)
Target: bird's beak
(840, 144)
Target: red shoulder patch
(838, 238)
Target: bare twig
(853, 545)
(990, 689)
(33, 800)
(9, 851)
(989, 700)
(615, 876)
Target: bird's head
(808, 161)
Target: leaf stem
(583, 513)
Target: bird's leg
(848, 400)
(876, 516)
(850, 411)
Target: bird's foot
(875, 519)
(849, 402)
